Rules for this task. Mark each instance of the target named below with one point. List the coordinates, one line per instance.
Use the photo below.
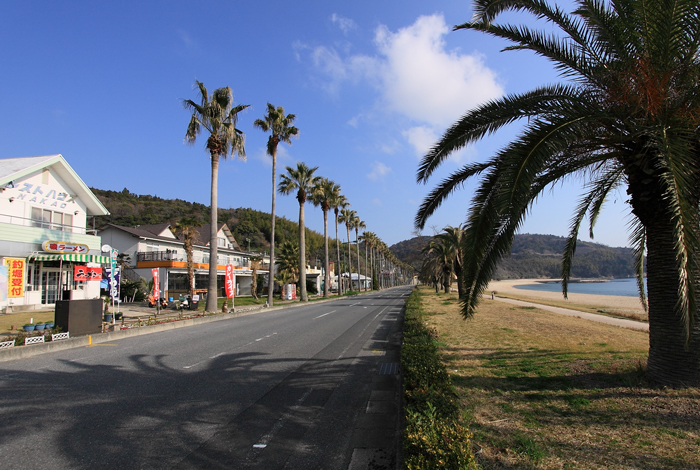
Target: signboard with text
(156, 285)
(84, 273)
(229, 281)
(53, 246)
(15, 277)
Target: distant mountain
(539, 256)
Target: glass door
(51, 286)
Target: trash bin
(194, 305)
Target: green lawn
(545, 391)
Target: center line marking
(333, 311)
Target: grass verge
(544, 391)
(434, 436)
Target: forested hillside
(250, 227)
(539, 256)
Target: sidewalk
(621, 322)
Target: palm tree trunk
(337, 247)
(366, 265)
(302, 254)
(349, 261)
(212, 296)
(357, 245)
(271, 274)
(326, 276)
(669, 363)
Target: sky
(373, 85)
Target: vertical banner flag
(15, 277)
(113, 282)
(229, 281)
(156, 284)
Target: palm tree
(338, 202)
(323, 194)
(453, 239)
(254, 265)
(302, 180)
(347, 217)
(288, 260)
(628, 118)
(217, 115)
(358, 224)
(281, 130)
(185, 229)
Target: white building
(45, 246)
(156, 246)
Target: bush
(434, 436)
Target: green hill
(249, 226)
(539, 256)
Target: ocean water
(625, 287)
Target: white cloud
(414, 73)
(427, 83)
(422, 138)
(378, 171)
(377, 202)
(345, 24)
(416, 77)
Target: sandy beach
(609, 302)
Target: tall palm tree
(302, 180)
(323, 194)
(358, 224)
(338, 203)
(347, 217)
(218, 116)
(629, 117)
(185, 229)
(281, 129)
(288, 260)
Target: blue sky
(372, 83)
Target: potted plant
(39, 327)
(49, 324)
(118, 316)
(28, 326)
(108, 317)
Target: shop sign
(44, 196)
(229, 281)
(53, 246)
(84, 273)
(15, 276)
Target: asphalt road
(308, 387)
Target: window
(44, 218)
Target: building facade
(46, 249)
(151, 247)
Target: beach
(618, 303)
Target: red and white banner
(229, 281)
(84, 273)
(156, 284)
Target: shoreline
(616, 302)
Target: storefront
(47, 253)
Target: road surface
(316, 386)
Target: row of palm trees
(217, 114)
(443, 259)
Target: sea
(624, 287)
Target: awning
(72, 257)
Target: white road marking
(333, 311)
(267, 437)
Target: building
(47, 250)
(156, 246)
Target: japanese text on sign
(15, 277)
